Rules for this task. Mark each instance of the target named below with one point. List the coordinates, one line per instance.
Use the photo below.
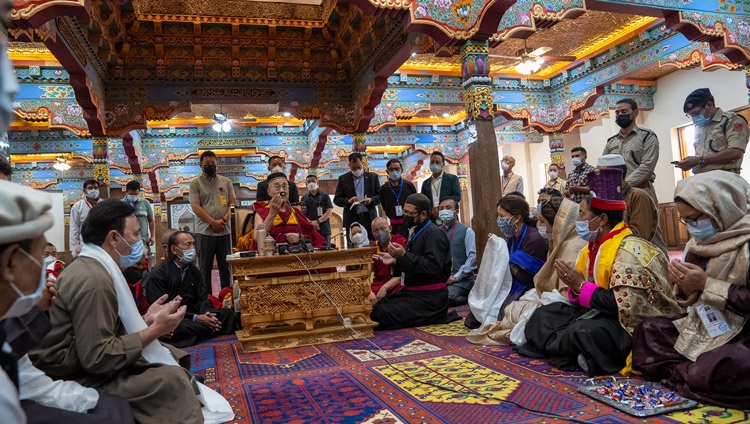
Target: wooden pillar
(557, 152)
(101, 164)
(484, 169)
(358, 145)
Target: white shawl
(216, 409)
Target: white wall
(56, 234)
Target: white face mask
(312, 186)
(360, 239)
(577, 161)
(92, 194)
(357, 172)
(277, 168)
(543, 232)
(553, 174)
(505, 166)
(132, 198)
(394, 175)
(24, 302)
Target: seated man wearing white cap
(24, 218)
(99, 339)
(642, 214)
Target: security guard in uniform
(720, 137)
(639, 146)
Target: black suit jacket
(345, 191)
(448, 188)
(262, 194)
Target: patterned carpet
(346, 383)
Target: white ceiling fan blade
(540, 51)
(499, 56)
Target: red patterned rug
(346, 382)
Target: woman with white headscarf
(704, 354)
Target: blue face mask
(188, 255)
(506, 227)
(700, 121)
(446, 216)
(435, 168)
(702, 230)
(136, 253)
(582, 228)
(383, 237)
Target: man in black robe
(425, 264)
(178, 276)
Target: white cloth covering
(68, 395)
(493, 281)
(216, 409)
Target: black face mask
(623, 121)
(410, 221)
(210, 170)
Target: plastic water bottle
(260, 239)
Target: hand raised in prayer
(168, 318)
(396, 250)
(569, 275)
(384, 258)
(688, 277)
(49, 295)
(210, 321)
(157, 306)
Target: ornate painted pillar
(101, 159)
(484, 164)
(557, 152)
(358, 145)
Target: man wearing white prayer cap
(642, 214)
(100, 340)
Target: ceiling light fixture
(287, 114)
(61, 164)
(529, 65)
(413, 54)
(446, 114)
(222, 123)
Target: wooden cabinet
(283, 305)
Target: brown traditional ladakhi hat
(606, 189)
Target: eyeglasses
(691, 221)
(281, 186)
(411, 214)
(700, 111)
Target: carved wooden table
(281, 310)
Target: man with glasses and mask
(78, 213)
(638, 146)
(720, 137)
(358, 192)
(463, 253)
(441, 184)
(178, 277)
(425, 266)
(210, 197)
(393, 196)
(99, 338)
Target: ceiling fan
(528, 60)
